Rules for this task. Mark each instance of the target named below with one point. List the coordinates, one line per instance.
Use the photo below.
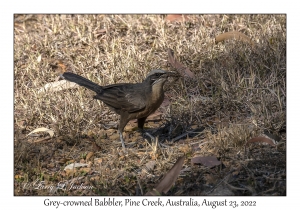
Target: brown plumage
(130, 101)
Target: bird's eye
(157, 74)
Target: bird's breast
(153, 100)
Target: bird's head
(159, 76)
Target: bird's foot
(150, 136)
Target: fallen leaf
(58, 86)
(208, 161)
(98, 160)
(95, 178)
(39, 58)
(180, 68)
(18, 176)
(115, 136)
(74, 165)
(177, 18)
(86, 170)
(51, 132)
(89, 155)
(261, 139)
(51, 165)
(64, 160)
(233, 35)
(166, 183)
(70, 172)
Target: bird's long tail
(82, 81)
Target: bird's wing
(124, 97)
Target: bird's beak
(172, 74)
(168, 74)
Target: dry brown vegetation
(238, 92)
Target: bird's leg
(123, 121)
(141, 123)
(121, 138)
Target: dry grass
(239, 92)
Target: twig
(139, 183)
(182, 135)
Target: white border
(160, 7)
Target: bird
(129, 100)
